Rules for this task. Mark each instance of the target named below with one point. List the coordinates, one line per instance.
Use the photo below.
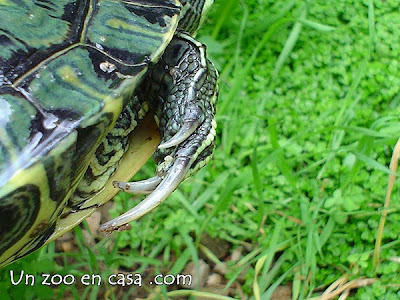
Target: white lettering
(21, 275)
(46, 276)
(109, 279)
(70, 282)
(94, 276)
(84, 278)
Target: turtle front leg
(183, 89)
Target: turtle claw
(186, 130)
(171, 181)
(186, 83)
(143, 187)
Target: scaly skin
(182, 89)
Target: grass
(308, 119)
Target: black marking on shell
(59, 171)
(43, 4)
(98, 58)
(156, 16)
(18, 211)
(22, 61)
(73, 14)
(5, 40)
(9, 67)
(38, 241)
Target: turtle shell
(67, 68)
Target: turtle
(86, 88)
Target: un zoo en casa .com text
(120, 279)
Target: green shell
(66, 70)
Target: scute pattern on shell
(56, 101)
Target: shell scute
(67, 68)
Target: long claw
(186, 130)
(143, 187)
(174, 177)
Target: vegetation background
(308, 117)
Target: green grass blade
(290, 43)
(316, 25)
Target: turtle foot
(162, 189)
(183, 90)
